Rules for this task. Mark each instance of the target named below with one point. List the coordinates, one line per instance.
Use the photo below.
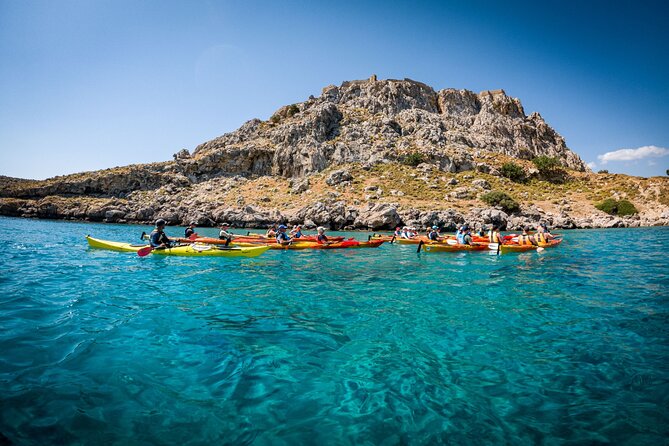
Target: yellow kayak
(193, 250)
(520, 248)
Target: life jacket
(524, 239)
(460, 237)
(281, 236)
(494, 237)
(433, 235)
(540, 237)
(298, 234)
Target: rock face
(368, 123)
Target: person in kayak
(398, 232)
(464, 236)
(433, 233)
(190, 230)
(543, 235)
(271, 231)
(281, 237)
(322, 238)
(494, 235)
(296, 232)
(225, 233)
(526, 239)
(158, 239)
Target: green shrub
(513, 171)
(603, 171)
(610, 206)
(413, 159)
(275, 119)
(546, 164)
(501, 199)
(626, 207)
(620, 208)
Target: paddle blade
(144, 251)
(539, 249)
(493, 246)
(420, 245)
(450, 241)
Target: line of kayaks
(207, 246)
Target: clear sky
(88, 84)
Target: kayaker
(322, 238)
(542, 235)
(405, 233)
(225, 233)
(271, 231)
(525, 238)
(158, 239)
(464, 236)
(296, 231)
(494, 235)
(190, 230)
(283, 238)
(398, 232)
(433, 234)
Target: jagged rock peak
(374, 120)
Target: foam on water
(378, 346)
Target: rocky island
(368, 154)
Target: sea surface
(350, 347)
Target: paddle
(392, 240)
(420, 245)
(145, 251)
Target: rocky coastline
(371, 154)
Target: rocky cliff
(339, 160)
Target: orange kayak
(445, 247)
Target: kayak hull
(445, 247)
(192, 250)
(523, 248)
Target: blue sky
(88, 84)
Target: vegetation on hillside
(620, 208)
(496, 198)
(514, 172)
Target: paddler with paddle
(281, 237)
(158, 239)
(225, 233)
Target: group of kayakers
(464, 234)
(279, 232)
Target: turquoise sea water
(379, 346)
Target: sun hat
(320, 228)
(225, 224)
(283, 227)
(435, 227)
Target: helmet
(435, 227)
(283, 227)
(160, 222)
